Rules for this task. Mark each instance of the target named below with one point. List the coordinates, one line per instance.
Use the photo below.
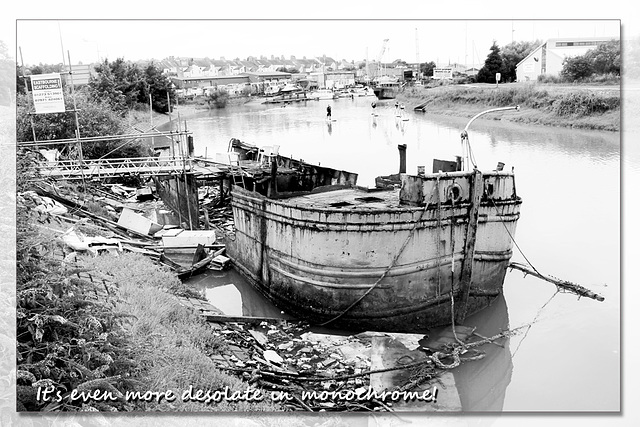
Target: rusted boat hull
(373, 266)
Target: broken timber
(223, 318)
(563, 284)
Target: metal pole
(186, 184)
(170, 121)
(153, 140)
(75, 112)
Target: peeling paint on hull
(314, 260)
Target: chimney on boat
(402, 149)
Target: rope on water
(455, 355)
(534, 321)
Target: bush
(67, 338)
(550, 78)
(219, 98)
(583, 104)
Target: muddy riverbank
(580, 107)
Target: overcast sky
(441, 41)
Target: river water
(569, 180)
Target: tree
(605, 58)
(117, 83)
(427, 68)
(160, 87)
(577, 67)
(492, 65)
(512, 54)
(218, 98)
(94, 119)
(125, 86)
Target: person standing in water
(328, 112)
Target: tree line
(116, 90)
(602, 60)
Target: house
(548, 58)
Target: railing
(106, 168)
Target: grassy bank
(584, 108)
(174, 343)
(107, 324)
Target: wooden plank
(469, 249)
(244, 319)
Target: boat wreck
(407, 257)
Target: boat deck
(350, 197)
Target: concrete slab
(136, 222)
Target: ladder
(236, 171)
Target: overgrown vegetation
(218, 98)
(95, 118)
(67, 336)
(127, 86)
(107, 324)
(540, 103)
(104, 107)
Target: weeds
(584, 104)
(122, 334)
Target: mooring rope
(511, 236)
(534, 321)
(393, 263)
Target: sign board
(47, 93)
(443, 73)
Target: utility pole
(75, 112)
(417, 54)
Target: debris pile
(116, 218)
(321, 372)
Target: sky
(443, 41)
(439, 40)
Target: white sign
(442, 73)
(47, 93)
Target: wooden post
(475, 194)
(272, 191)
(221, 201)
(402, 149)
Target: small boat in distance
(387, 88)
(321, 94)
(408, 256)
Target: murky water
(569, 360)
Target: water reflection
(482, 384)
(569, 227)
(229, 292)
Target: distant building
(549, 56)
(205, 85)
